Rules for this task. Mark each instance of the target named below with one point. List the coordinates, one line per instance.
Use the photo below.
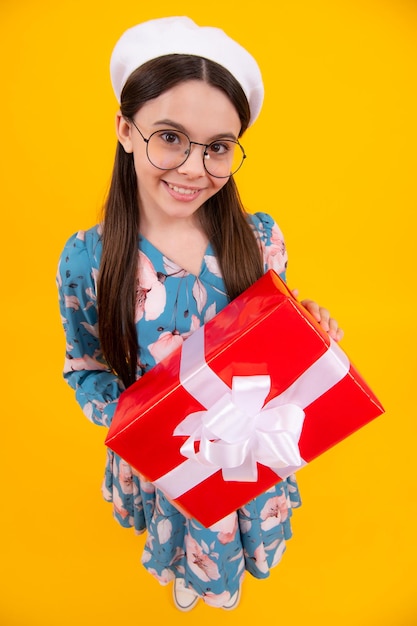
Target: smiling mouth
(183, 190)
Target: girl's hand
(322, 316)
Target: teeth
(185, 192)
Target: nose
(194, 165)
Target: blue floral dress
(171, 304)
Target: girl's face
(205, 114)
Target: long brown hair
(222, 216)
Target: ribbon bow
(236, 432)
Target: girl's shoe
(185, 598)
(233, 602)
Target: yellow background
(333, 158)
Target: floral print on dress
(171, 304)
(150, 292)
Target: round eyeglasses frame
(206, 146)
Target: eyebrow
(180, 127)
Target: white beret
(180, 35)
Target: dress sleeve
(97, 388)
(271, 242)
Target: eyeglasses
(169, 149)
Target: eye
(220, 148)
(170, 137)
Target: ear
(123, 132)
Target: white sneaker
(233, 602)
(185, 598)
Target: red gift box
(248, 399)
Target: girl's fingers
(335, 332)
(322, 315)
(313, 308)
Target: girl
(175, 246)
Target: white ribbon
(235, 433)
(237, 430)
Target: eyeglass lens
(169, 149)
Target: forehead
(196, 106)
